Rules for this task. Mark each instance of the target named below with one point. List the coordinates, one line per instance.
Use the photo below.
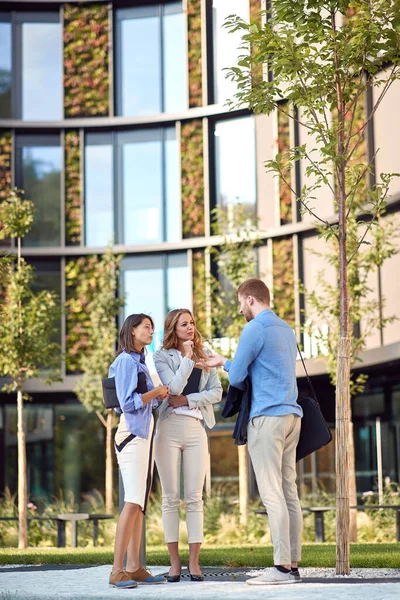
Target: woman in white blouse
(181, 434)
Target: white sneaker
(272, 576)
(255, 572)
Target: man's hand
(214, 360)
(187, 349)
(176, 401)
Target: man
(267, 354)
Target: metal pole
(379, 459)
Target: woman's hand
(176, 401)
(162, 391)
(187, 348)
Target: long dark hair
(171, 339)
(125, 335)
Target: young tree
(324, 57)
(28, 326)
(102, 334)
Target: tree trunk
(22, 486)
(352, 484)
(243, 485)
(342, 458)
(109, 463)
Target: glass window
(151, 54)
(143, 285)
(38, 169)
(226, 45)
(172, 188)
(5, 69)
(47, 276)
(142, 191)
(154, 285)
(150, 186)
(179, 288)
(42, 87)
(236, 166)
(99, 201)
(174, 63)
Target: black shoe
(195, 577)
(295, 572)
(174, 578)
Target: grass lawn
(314, 555)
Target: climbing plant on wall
(73, 207)
(285, 195)
(194, 53)
(86, 60)
(192, 169)
(283, 279)
(199, 280)
(5, 163)
(81, 286)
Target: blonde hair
(171, 339)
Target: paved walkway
(76, 583)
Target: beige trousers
(272, 445)
(181, 439)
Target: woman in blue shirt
(134, 447)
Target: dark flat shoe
(174, 578)
(195, 577)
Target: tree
(323, 57)
(365, 312)
(102, 333)
(28, 326)
(235, 259)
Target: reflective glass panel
(99, 211)
(144, 293)
(41, 180)
(142, 192)
(140, 66)
(174, 63)
(5, 70)
(179, 283)
(226, 45)
(173, 191)
(42, 78)
(236, 165)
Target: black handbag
(314, 432)
(110, 393)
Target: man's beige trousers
(272, 445)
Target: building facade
(113, 119)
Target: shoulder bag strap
(308, 377)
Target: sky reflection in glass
(42, 78)
(99, 211)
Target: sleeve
(249, 347)
(126, 378)
(211, 395)
(175, 381)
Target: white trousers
(136, 462)
(181, 439)
(272, 445)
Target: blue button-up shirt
(267, 353)
(125, 369)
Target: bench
(73, 518)
(319, 512)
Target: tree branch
(367, 228)
(102, 419)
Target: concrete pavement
(78, 583)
